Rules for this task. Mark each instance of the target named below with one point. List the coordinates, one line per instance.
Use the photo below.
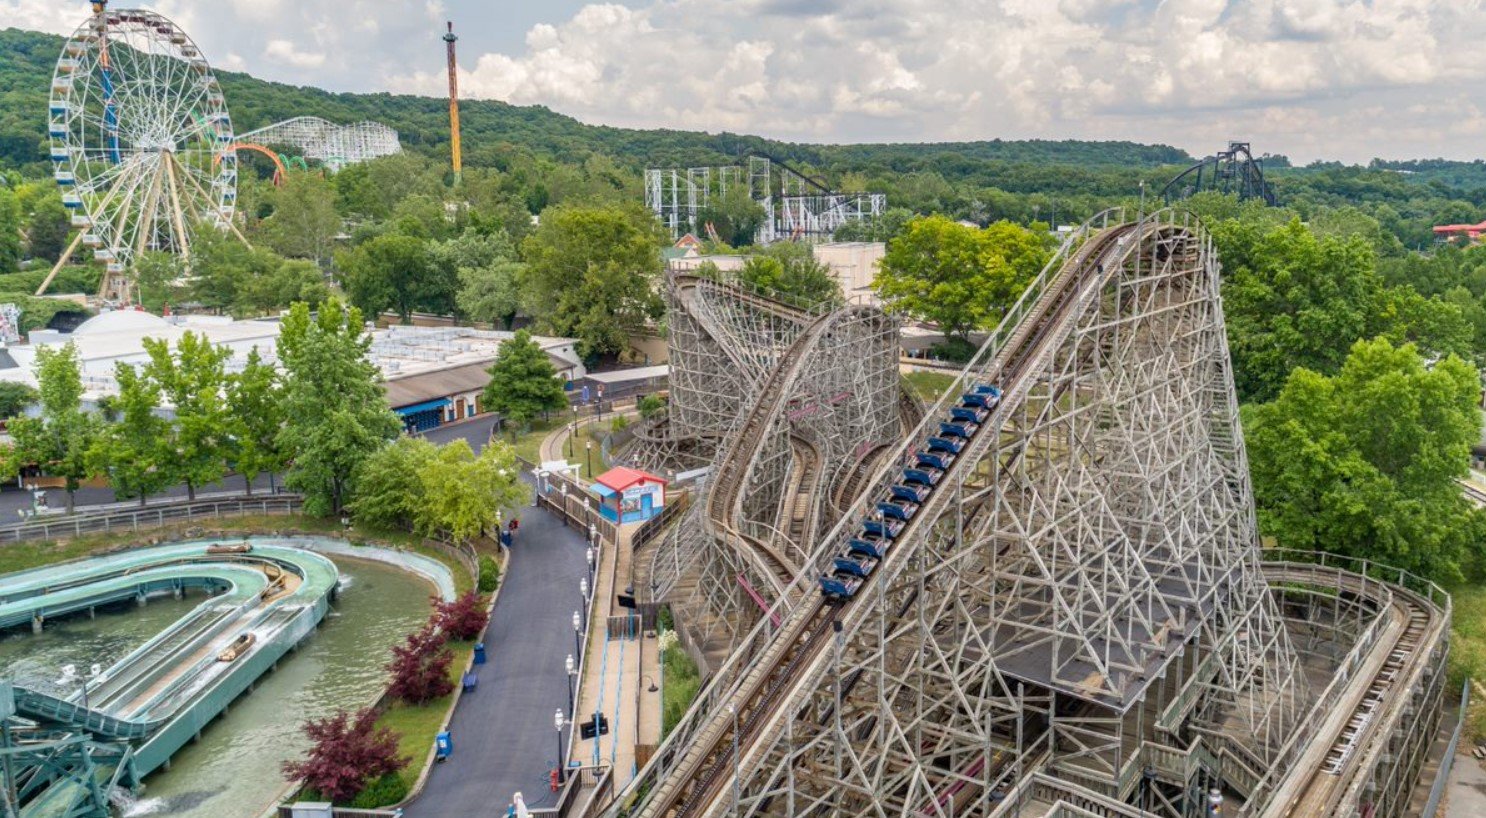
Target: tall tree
(10, 229)
(15, 398)
(523, 382)
(47, 228)
(1365, 462)
(960, 277)
(590, 274)
(59, 438)
(790, 269)
(391, 272)
(304, 222)
(389, 483)
(335, 413)
(255, 412)
(134, 452)
(193, 378)
(463, 494)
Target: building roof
(620, 478)
(440, 383)
(121, 320)
(639, 373)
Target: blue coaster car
(839, 586)
(925, 476)
(858, 565)
(911, 492)
(946, 444)
(988, 389)
(883, 528)
(975, 399)
(868, 546)
(938, 460)
(969, 414)
(897, 510)
(960, 429)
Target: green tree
(15, 398)
(1365, 462)
(335, 412)
(223, 268)
(789, 269)
(10, 229)
(193, 379)
(488, 273)
(462, 493)
(157, 273)
(47, 229)
(58, 440)
(960, 277)
(391, 272)
(134, 452)
(304, 221)
(734, 216)
(293, 280)
(590, 274)
(255, 412)
(389, 486)
(523, 382)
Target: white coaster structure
(140, 142)
(334, 146)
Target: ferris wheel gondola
(141, 141)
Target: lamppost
(651, 679)
(588, 555)
(561, 767)
(593, 534)
(583, 596)
(588, 445)
(572, 679)
(572, 433)
(577, 634)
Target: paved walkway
(504, 740)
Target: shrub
(462, 618)
(681, 685)
(420, 667)
(489, 574)
(390, 789)
(650, 405)
(347, 750)
(619, 423)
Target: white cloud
(1334, 78)
(285, 52)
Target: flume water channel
(233, 772)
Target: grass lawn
(416, 724)
(1468, 650)
(928, 385)
(680, 684)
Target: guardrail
(1447, 763)
(127, 518)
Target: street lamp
(588, 555)
(588, 444)
(577, 634)
(651, 679)
(572, 433)
(572, 679)
(557, 722)
(583, 587)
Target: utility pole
(449, 39)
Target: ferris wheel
(141, 141)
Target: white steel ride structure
(140, 141)
(1049, 599)
(333, 145)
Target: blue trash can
(443, 745)
(479, 653)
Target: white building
(434, 374)
(854, 264)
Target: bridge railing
(132, 518)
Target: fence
(132, 518)
(1447, 763)
(287, 811)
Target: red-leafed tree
(462, 618)
(349, 751)
(420, 667)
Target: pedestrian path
(503, 733)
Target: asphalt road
(504, 740)
(12, 498)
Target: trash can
(443, 745)
(479, 653)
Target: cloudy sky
(1338, 79)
